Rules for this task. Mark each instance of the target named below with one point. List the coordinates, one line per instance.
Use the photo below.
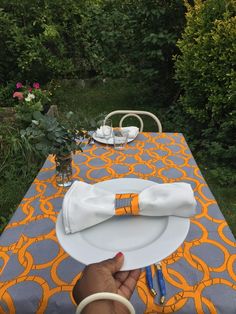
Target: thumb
(114, 264)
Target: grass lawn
(91, 102)
(100, 99)
(14, 183)
(225, 197)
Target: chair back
(135, 113)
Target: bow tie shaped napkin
(86, 205)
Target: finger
(136, 274)
(129, 284)
(113, 264)
(121, 275)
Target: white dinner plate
(143, 240)
(110, 141)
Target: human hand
(106, 277)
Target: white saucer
(110, 141)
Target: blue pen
(149, 280)
(161, 282)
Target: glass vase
(64, 170)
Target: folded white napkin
(85, 205)
(103, 130)
(131, 130)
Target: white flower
(29, 97)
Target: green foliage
(206, 72)
(18, 167)
(112, 38)
(136, 39)
(12, 145)
(48, 136)
(6, 99)
(8, 54)
(38, 38)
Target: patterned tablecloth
(37, 276)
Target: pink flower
(36, 85)
(18, 85)
(18, 95)
(30, 89)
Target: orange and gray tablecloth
(37, 276)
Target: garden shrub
(135, 39)
(8, 53)
(6, 91)
(18, 167)
(42, 40)
(206, 72)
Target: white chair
(135, 113)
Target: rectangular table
(37, 276)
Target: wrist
(99, 307)
(106, 306)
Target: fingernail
(119, 254)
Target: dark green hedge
(206, 71)
(44, 40)
(39, 39)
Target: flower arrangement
(30, 99)
(47, 135)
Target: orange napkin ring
(126, 204)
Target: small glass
(64, 170)
(91, 140)
(120, 138)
